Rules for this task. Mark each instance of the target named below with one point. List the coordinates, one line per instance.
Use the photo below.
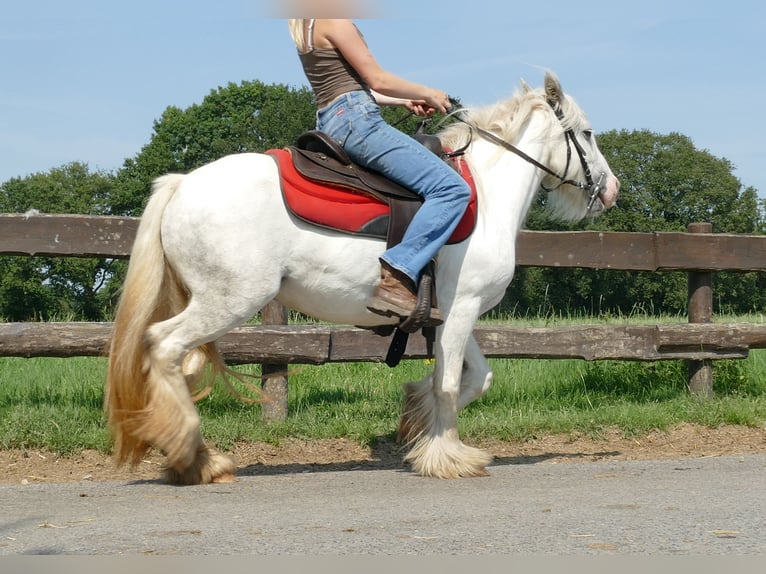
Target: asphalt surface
(701, 506)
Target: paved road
(708, 506)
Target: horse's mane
(507, 118)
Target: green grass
(52, 403)
(573, 396)
(56, 404)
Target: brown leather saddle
(318, 157)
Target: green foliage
(44, 287)
(238, 118)
(667, 183)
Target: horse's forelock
(573, 116)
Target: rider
(349, 85)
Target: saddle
(321, 185)
(318, 157)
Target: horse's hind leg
(477, 376)
(172, 423)
(418, 404)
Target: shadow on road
(387, 455)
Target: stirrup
(422, 315)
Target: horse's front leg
(431, 412)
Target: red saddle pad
(347, 210)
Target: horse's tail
(151, 292)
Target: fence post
(700, 302)
(275, 375)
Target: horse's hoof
(225, 478)
(208, 467)
(435, 458)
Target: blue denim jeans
(354, 120)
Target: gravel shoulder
(298, 456)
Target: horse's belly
(326, 307)
(332, 289)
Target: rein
(593, 189)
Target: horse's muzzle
(606, 193)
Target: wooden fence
(698, 252)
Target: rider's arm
(417, 107)
(345, 37)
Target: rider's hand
(419, 107)
(438, 101)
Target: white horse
(216, 245)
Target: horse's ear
(525, 89)
(553, 92)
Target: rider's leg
(355, 121)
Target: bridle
(593, 189)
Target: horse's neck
(508, 183)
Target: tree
(45, 287)
(249, 117)
(667, 183)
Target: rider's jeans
(354, 120)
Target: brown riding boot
(395, 296)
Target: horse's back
(232, 188)
(225, 210)
(233, 175)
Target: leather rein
(589, 186)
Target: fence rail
(112, 237)
(698, 252)
(314, 344)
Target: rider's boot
(396, 296)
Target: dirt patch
(296, 456)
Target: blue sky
(84, 80)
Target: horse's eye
(588, 134)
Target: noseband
(593, 189)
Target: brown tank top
(328, 72)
